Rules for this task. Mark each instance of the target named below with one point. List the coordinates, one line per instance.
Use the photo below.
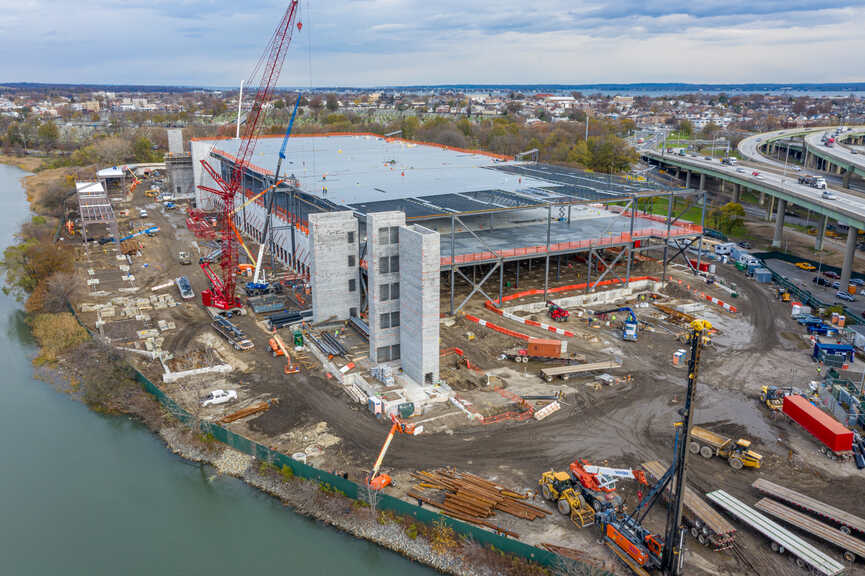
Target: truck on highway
(729, 161)
(738, 454)
(813, 181)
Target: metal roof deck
(367, 173)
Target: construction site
(515, 345)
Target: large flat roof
(368, 173)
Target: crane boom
(264, 77)
(256, 277)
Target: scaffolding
(94, 207)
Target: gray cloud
(368, 42)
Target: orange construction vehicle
(290, 367)
(378, 481)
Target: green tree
(142, 149)
(686, 127)
(48, 133)
(732, 217)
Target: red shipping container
(822, 426)
(545, 348)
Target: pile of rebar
(471, 498)
(334, 344)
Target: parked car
(830, 274)
(219, 397)
(142, 213)
(845, 296)
(805, 266)
(836, 284)
(820, 281)
(857, 282)
(745, 244)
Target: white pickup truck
(219, 397)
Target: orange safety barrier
(497, 328)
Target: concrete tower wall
(419, 303)
(334, 266)
(383, 267)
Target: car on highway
(709, 158)
(740, 170)
(845, 296)
(219, 397)
(745, 244)
(826, 195)
(797, 168)
(805, 266)
(853, 151)
(830, 274)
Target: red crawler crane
(264, 77)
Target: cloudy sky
(390, 42)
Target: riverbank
(107, 386)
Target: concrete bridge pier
(846, 181)
(821, 232)
(779, 223)
(762, 198)
(688, 179)
(849, 255)
(737, 192)
(702, 182)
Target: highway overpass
(838, 159)
(844, 207)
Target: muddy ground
(622, 425)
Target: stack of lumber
(471, 498)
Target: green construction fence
(352, 490)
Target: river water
(91, 495)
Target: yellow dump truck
(738, 454)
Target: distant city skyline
(409, 42)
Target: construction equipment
(738, 454)
(557, 313)
(258, 284)
(135, 180)
(377, 481)
(636, 546)
(290, 367)
(630, 325)
(598, 483)
(773, 396)
(150, 231)
(559, 487)
(184, 258)
(275, 349)
(264, 77)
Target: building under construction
(378, 225)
